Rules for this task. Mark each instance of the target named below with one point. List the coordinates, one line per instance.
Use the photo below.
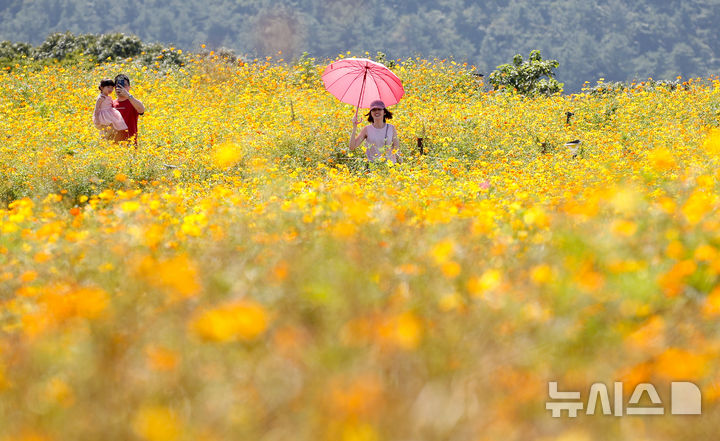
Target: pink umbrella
(359, 81)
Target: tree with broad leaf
(527, 77)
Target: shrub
(305, 71)
(116, 46)
(526, 77)
(99, 48)
(61, 45)
(12, 50)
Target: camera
(120, 82)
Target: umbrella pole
(362, 93)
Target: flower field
(239, 276)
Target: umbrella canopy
(359, 81)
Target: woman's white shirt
(379, 142)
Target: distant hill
(609, 39)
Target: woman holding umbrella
(367, 84)
(382, 138)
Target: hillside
(597, 39)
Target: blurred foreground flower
(712, 142)
(403, 331)
(661, 159)
(157, 423)
(244, 320)
(176, 276)
(227, 154)
(63, 303)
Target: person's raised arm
(136, 103)
(356, 141)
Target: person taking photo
(129, 107)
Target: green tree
(534, 76)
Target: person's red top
(130, 115)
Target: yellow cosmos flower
(712, 142)
(157, 423)
(177, 276)
(711, 307)
(59, 392)
(678, 363)
(442, 251)
(450, 269)
(541, 274)
(355, 431)
(697, 206)
(130, 206)
(536, 216)
(662, 159)
(227, 154)
(489, 280)
(403, 330)
(673, 281)
(623, 228)
(161, 358)
(244, 320)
